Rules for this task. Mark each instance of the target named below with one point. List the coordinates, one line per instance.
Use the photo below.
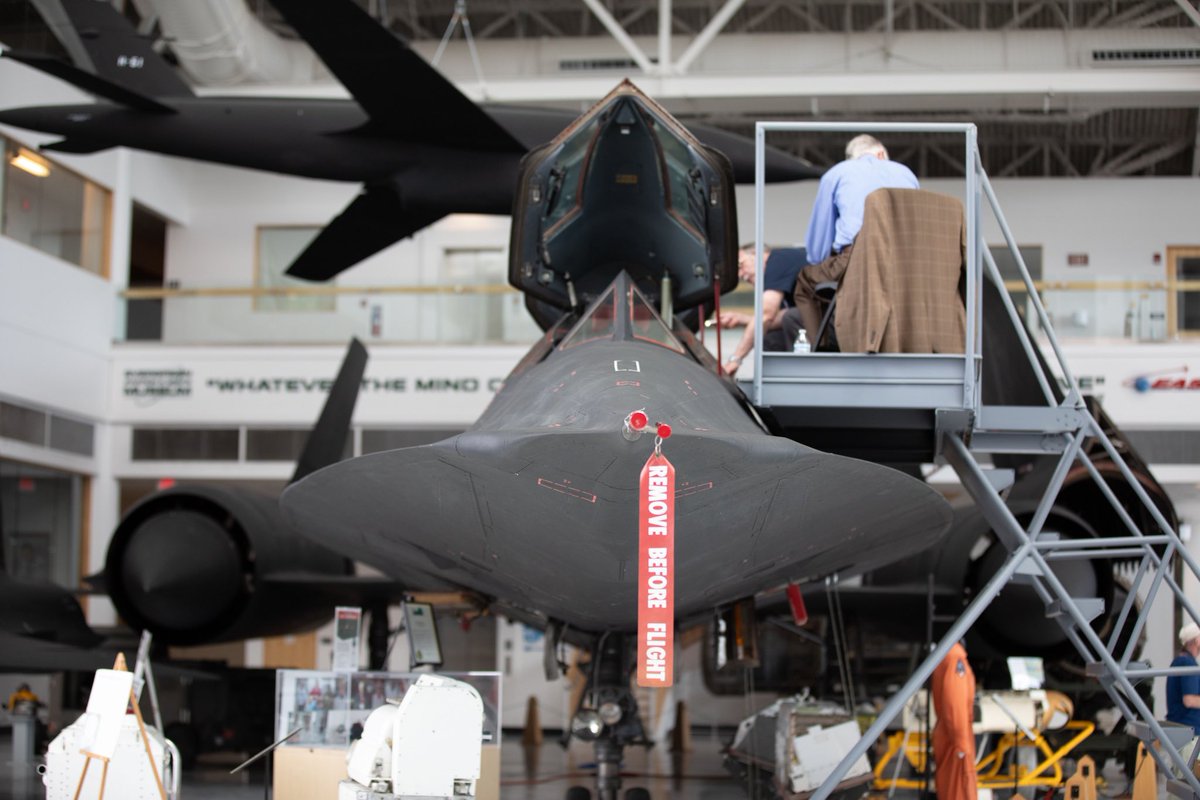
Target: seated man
(780, 269)
(837, 217)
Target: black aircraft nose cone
(180, 568)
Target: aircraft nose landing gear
(608, 717)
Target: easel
(119, 666)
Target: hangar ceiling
(1058, 87)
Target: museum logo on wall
(156, 383)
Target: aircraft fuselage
(311, 138)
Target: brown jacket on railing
(901, 291)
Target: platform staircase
(928, 408)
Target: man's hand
(730, 367)
(733, 319)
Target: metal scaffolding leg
(1029, 556)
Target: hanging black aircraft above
(420, 147)
(536, 507)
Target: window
(283, 444)
(566, 179)
(54, 210)
(1007, 264)
(684, 184)
(1030, 254)
(492, 315)
(376, 440)
(598, 323)
(181, 444)
(45, 429)
(647, 325)
(41, 516)
(277, 249)
(1183, 278)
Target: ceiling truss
(1103, 141)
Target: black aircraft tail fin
(374, 220)
(403, 95)
(327, 441)
(90, 83)
(119, 54)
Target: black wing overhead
(328, 438)
(93, 84)
(119, 54)
(374, 220)
(402, 94)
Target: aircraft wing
(402, 94)
(28, 654)
(374, 220)
(115, 50)
(549, 522)
(89, 82)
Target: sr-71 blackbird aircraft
(535, 507)
(420, 147)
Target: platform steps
(1032, 551)
(1060, 429)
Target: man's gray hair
(863, 144)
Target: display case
(328, 709)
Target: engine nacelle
(193, 565)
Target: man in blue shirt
(1183, 691)
(837, 217)
(780, 267)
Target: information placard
(422, 634)
(347, 638)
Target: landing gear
(608, 716)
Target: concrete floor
(540, 773)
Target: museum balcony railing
(425, 314)
(1103, 310)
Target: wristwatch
(736, 359)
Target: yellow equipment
(1031, 713)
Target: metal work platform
(912, 408)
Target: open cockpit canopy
(624, 188)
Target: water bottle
(802, 345)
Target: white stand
(24, 731)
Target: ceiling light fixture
(30, 162)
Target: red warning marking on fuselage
(567, 490)
(694, 488)
(629, 383)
